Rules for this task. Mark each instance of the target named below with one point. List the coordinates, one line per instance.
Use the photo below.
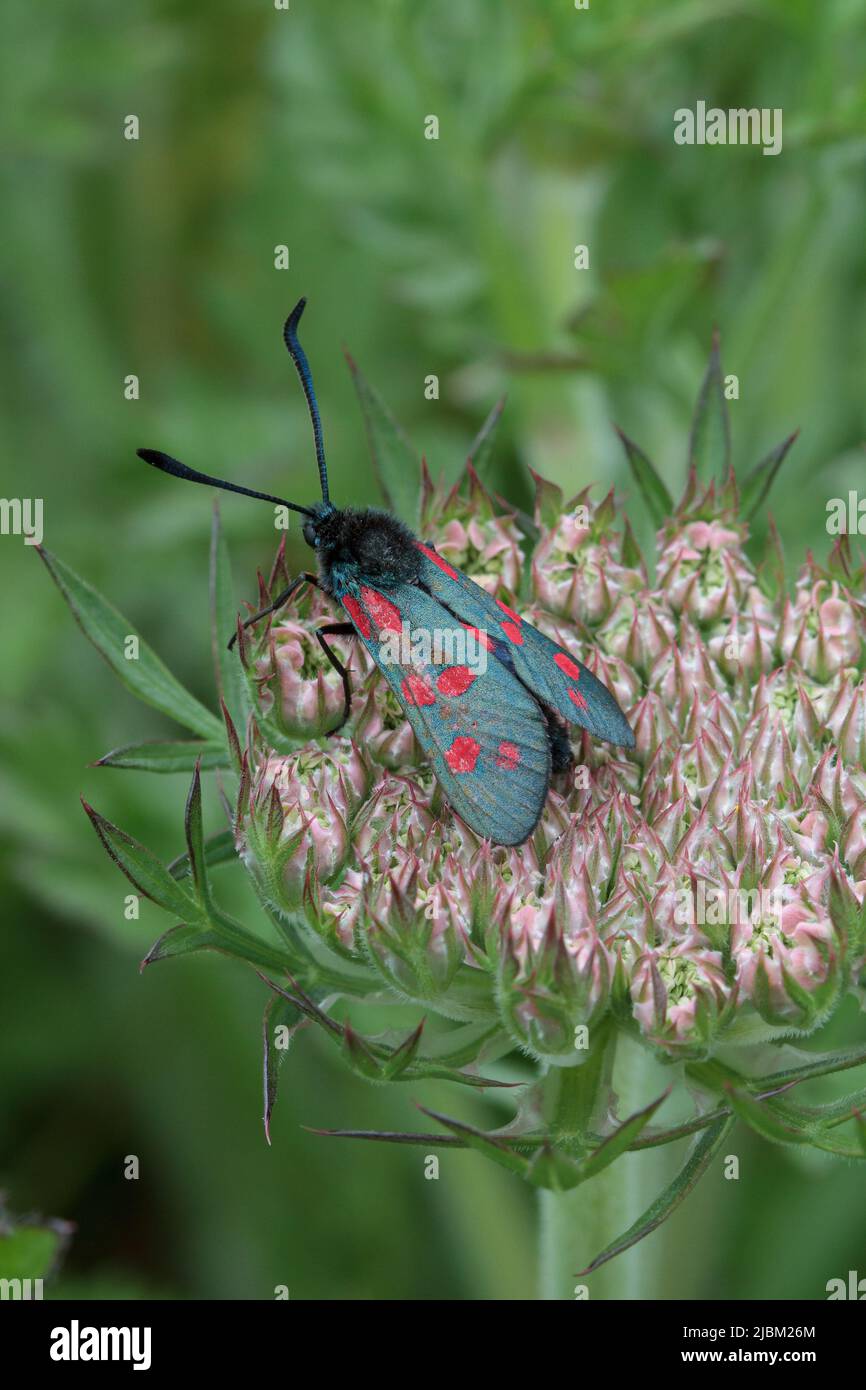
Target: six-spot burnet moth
(494, 731)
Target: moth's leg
(305, 578)
(338, 630)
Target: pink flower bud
(381, 727)
(742, 647)
(296, 686)
(680, 997)
(703, 572)
(787, 962)
(638, 630)
(552, 985)
(821, 630)
(413, 933)
(488, 551)
(684, 672)
(846, 720)
(295, 823)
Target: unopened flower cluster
(705, 887)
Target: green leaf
(218, 849)
(182, 940)
(395, 464)
(194, 830)
(360, 1057)
(655, 1138)
(385, 1136)
(279, 1013)
(831, 1145)
(143, 869)
(710, 439)
(840, 1110)
(404, 1054)
(820, 1064)
(371, 1058)
(771, 570)
(423, 1070)
(308, 1007)
(548, 500)
(496, 1149)
(656, 496)
(481, 449)
(766, 1119)
(145, 676)
(185, 940)
(178, 756)
(630, 553)
(621, 1139)
(697, 1163)
(755, 486)
(231, 681)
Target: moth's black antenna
(179, 470)
(299, 357)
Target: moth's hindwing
(485, 735)
(556, 677)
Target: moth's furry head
(369, 544)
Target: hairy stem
(575, 1226)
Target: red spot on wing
(385, 614)
(455, 680)
(566, 664)
(416, 691)
(357, 614)
(513, 632)
(483, 637)
(571, 669)
(437, 560)
(463, 754)
(515, 617)
(509, 756)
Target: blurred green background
(304, 127)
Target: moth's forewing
(484, 734)
(551, 673)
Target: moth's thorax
(369, 545)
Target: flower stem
(576, 1226)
